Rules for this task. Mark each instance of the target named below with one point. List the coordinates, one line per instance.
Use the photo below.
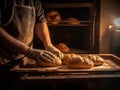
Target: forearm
(42, 32)
(11, 43)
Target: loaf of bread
(77, 62)
(62, 47)
(53, 17)
(72, 21)
(66, 58)
(29, 63)
(97, 60)
(56, 62)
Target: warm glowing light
(117, 22)
(110, 26)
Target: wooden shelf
(67, 5)
(64, 23)
(81, 25)
(84, 12)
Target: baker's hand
(54, 50)
(41, 55)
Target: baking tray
(111, 65)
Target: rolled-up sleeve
(40, 17)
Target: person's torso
(7, 7)
(20, 25)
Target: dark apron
(21, 27)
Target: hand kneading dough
(77, 62)
(29, 63)
(56, 62)
(97, 60)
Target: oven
(82, 39)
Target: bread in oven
(62, 47)
(53, 17)
(72, 21)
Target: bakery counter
(105, 77)
(68, 81)
(111, 65)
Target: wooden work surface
(56, 77)
(111, 65)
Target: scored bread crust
(97, 60)
(66, 58)
(77, 62)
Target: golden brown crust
(62, 47)
(72, 20)
(77, 61)
(66, 58)
(97, 60)
(53, 17)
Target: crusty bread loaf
(72, 21)
(62, 47)
(53, 17)
(56, 62)
(29, 63)
(66, 58)
(77, 61)
(97, 60)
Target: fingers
(55, 51)
(50, 54)
(47, 57)
(58, 54)
(62, 56)
(43, 56)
